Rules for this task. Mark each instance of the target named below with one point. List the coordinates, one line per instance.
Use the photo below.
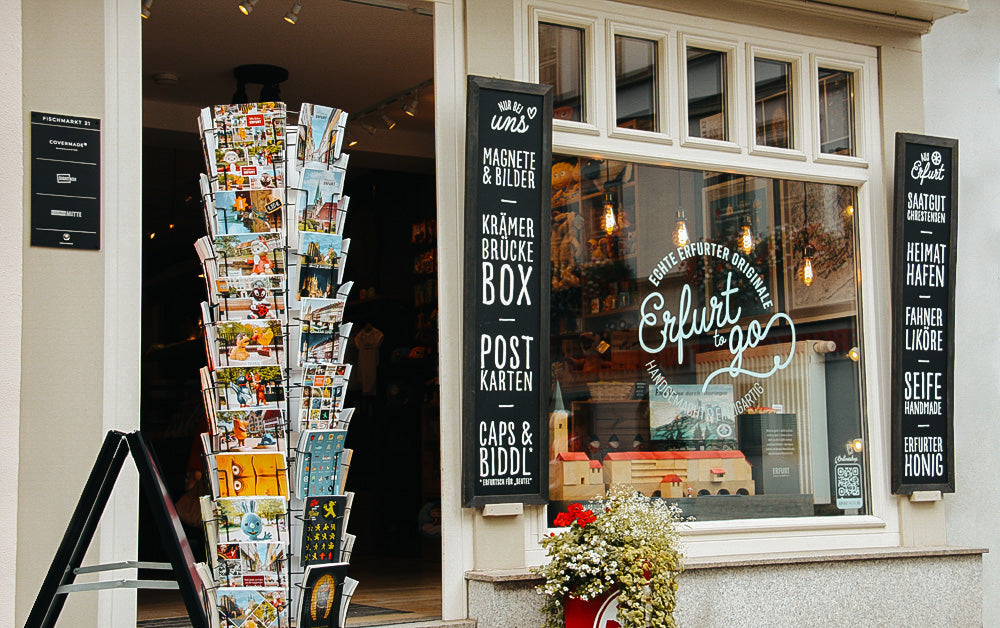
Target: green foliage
(632, 543)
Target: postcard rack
(275, 382)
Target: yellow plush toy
(565, 182)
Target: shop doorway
(373, 57)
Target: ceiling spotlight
(293, 14)
(410, 108)
(368, 127)
(246, 7)
(351, 140)
(146, 6)
(389, 122)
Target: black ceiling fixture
(269, 77)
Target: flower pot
(600, 612)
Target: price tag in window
(848, 483)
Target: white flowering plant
(631, 542)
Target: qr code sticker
(848, 481)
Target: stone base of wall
(896, 586)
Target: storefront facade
(681, 122)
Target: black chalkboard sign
(507, 223)
(65, 181)
(924, 254)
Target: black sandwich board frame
(909, 144)
(500, 97)
(82, 525)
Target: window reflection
(560, 64)
(836, 112)
(705, 371)
(635, 83)
(772, 102)
(706, 85)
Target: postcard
(322, 527)
(249, 254)
(240, 519)
(318, 461)
(247, 430)
(321, 133)
(247, 342)
(693, 418)
(249, 475)
(322, 342)
(249, 146)
(252, 564)
(323, 598)
(240, 387)
(247, 211)
(252, 607)
(323, 388)
(326, 217)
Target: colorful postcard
(247, 430)
(250, 254)
(318, 458)
(262, 304)
(322, 280)
(320, 249)
(249, 145)
(323, 185)
(325, 217)
(252, 564)
(248, 211)
(322, 527)
(240, 519)
(326, 419)
(321, 133)
(252, 607)
(323, 388)
(255, 387)
(323, 596)
(250, 475)
(323, 342)
(248, 342)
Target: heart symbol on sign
(531, 112)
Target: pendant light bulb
(608, 222)
(807, 266)
(681, 237)
(746, 238)
(246, 7)
(293, 14)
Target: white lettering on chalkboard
(923, 456)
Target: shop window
(635, 83)
(706, 94)
(718, 364)
(836, 112)
(560, 64)
(773, 102)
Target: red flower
(586, 517)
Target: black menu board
(924, 254)
(507, 223)
(65, 181)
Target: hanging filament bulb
(608, 222)
(681, 237)
(807, 266)
(746, 237)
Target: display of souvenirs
(249, 475)
(252, 564)
(240, 519)
(247, 211)
(249, 145)
(250, 254)
(322, 529)
(323, 600)
(321, 134)
(318, 462)
(323, 388)
(252, 607)
(260, 177)
(241, 387)
(247, 430)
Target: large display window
(712, 359)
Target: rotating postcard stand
(59, 581)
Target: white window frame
(863, 171)
(799, 133)
(664, 60)
(735, 84)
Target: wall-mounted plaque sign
(507, 223)
(65, 181)
(924, 254)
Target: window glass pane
(836, 112)
(706, 84)
(772, 102)
(714, 365)
(635, 83)
(560, 64)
